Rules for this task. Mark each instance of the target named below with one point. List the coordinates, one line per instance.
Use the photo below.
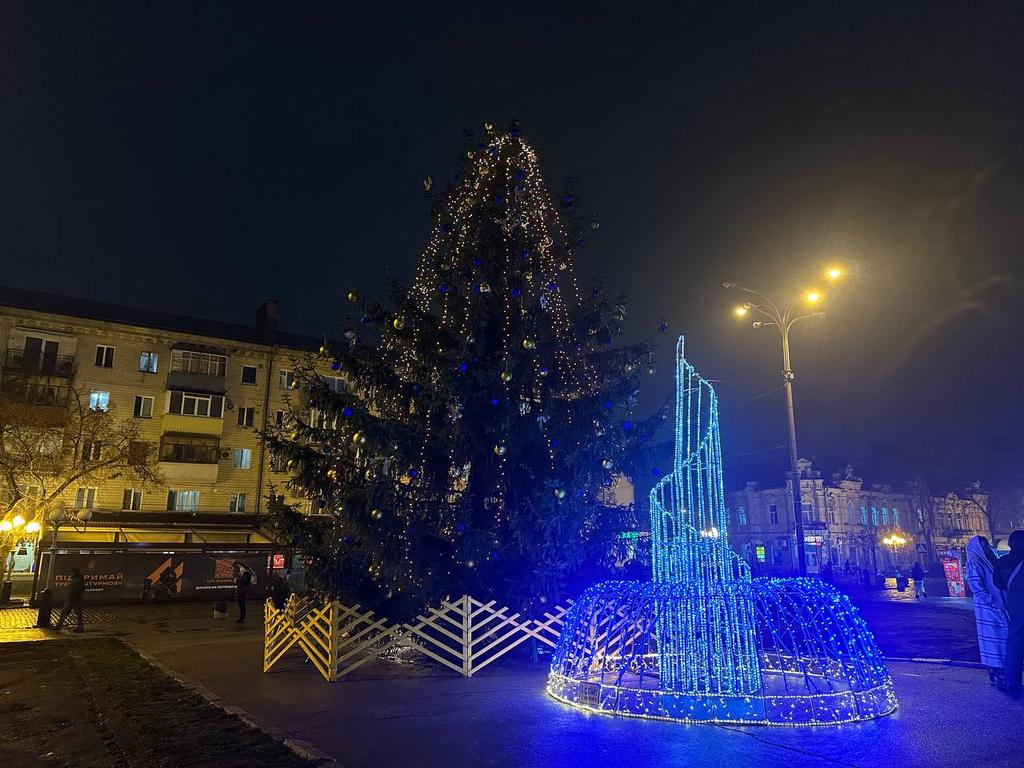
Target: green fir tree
(480, 419)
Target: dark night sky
(201, 158)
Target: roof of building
(37, 301)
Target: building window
(759, 550)
(237, 503)
(148, 362)
(132, 499)
(334, 383)
(286, 380)
(279, 418)
(863, 515)
(741, 516)
(99, 401)
(243, 458)
(186, 361)
(874, 516)
(245, 416)
(895, 518)
(278, 463)
(189, 449)
(885, 515)
(249, 374)
(138, 451)
(91, 450)
(194, 404)
(143, 407)
(104, 356)
(773, 514)
(807, 508)
(85, 498)
(850, 517)
(183, 501)
(319, 419)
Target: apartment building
(199, 390)
(847, 521)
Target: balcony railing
(37, 363)
(33, 393)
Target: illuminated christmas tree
(485, 414)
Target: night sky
(200, 158)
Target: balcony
(189, 458)
(39, 364)
(33, 393)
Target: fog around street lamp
(740, 311)
(813, 297)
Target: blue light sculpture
(703, 641)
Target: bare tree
(48, 447)
(925, 512)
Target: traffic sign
(922, 549)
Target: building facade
(846, 521)
(198, 390)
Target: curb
(938, 662)
(301, 748)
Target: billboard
(112, 577)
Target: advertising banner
(954, 576)
(112, 577)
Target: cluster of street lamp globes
(784, 316)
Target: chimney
(266, 321)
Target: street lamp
(796, 310)
(894, 541)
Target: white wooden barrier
(464, 635)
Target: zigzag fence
(464, 635)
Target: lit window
(874, 516)
(132, 499)
(183, 501)
(248, 374)
(760, 553)
(885, 515)
(850, 517)
(243, 458)
(99, 401)
(334, 383)
(237, 503)
(863, 515)
(895, 518)
(104, 356)
(148, 362)
(143, 407)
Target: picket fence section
(464, 635)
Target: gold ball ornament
(332, 473)
(376, 514)
(560, 493)
(323, 350)
(529, 344)
(352, 296)
(295, 435)
(359, 438)
(506, 376)
(500, 449)
(398, 323)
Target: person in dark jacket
(917, 574)
(73, 602)
(1010, 572)
(243, 580)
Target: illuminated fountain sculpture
(703, 641)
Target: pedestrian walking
(1011, 573)
(243, 580)
(73, 601)
(917, 574)
(989, 606)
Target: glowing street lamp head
(740, 311)
(18, 521)
(5, 526)
(813, 297)
(32, 527)
(834, 272)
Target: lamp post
(57, 517)
(894, 541)
(784, 320)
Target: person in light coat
(989, 606)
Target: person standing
(989, 606)
(917, 574)
(243, 580)
(1011, 573)
(73, 602)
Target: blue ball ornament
(515, 293)
(365, 320)
(495, 401)
(347, 412)
(609, 404)
(443, 287)
(627, 425)
(335, 365)
(463, 367)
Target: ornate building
(848, 521)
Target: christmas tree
(480, 418)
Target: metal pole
(798, 517)
(53, 556)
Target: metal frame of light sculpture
(703, 641)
